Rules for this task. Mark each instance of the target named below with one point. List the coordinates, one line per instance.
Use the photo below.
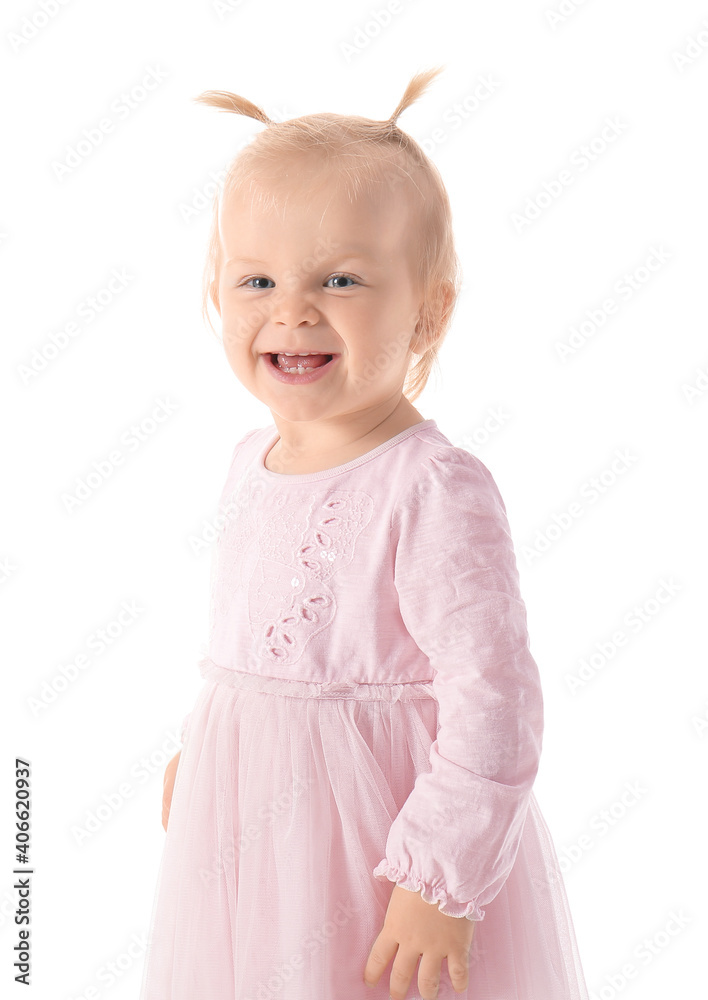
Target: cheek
(240, 322)
(234, 338)
(243, 314)
(366, 320)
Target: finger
(401, 975)
(382, 951)
(458, 970)
(429, 977)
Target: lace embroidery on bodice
(302, 544)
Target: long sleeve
(457, 834)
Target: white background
(635, 385)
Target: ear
(442, 300)
(214, 296)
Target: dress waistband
(292, 688)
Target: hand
(413, 929)
(168, 785)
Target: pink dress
(370, 714)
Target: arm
(456, 837)
(168, 785)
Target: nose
(290, 307)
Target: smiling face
(321, 275)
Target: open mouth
(296, 362)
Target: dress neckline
(337, 469)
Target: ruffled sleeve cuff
(430, 894)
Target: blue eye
(345, 277)
(257, 279)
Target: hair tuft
(417, 86)
(225, 101)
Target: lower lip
(304, 379)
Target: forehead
(291, 210)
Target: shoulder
(256, 435)
(441, 475)
(449, 517)
(244, 453)
(250, 444)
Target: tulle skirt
(284, 796)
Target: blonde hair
(363, 153)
